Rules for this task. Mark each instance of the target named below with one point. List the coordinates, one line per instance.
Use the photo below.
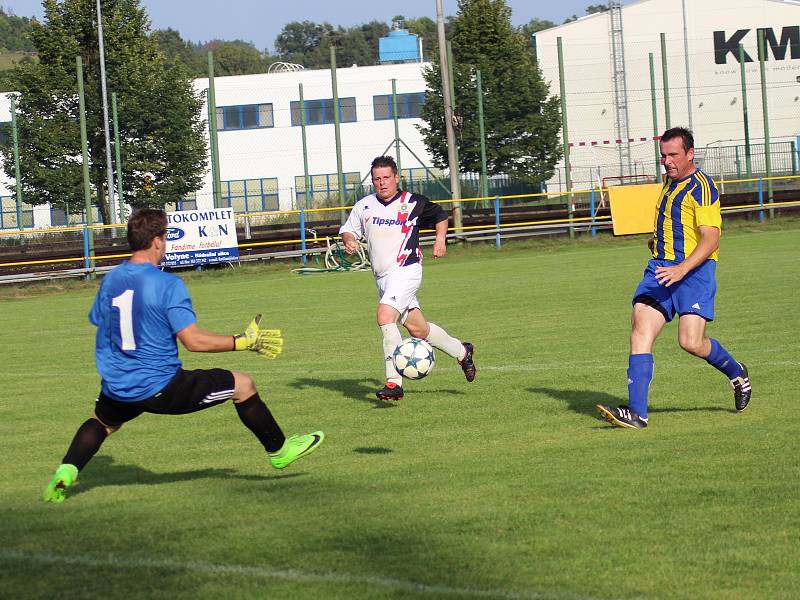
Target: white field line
(531, 366)
(265, 572)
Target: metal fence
(303, 234)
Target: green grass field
(510, 487)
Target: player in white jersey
(389, 221)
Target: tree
(14, 33)
(309, 43)
(305, 43)
(531, 28)
(230, 57)
(234, 58)
(534, 26)
(161, 129)
(522, 120)
(593, 9)
(176, 49)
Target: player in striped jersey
(389, 220)
(679, 279)
(139, 312)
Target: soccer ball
(413, 358)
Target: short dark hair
(145, 225)
(384, 161)
(679, 132)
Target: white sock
(391, 339)
(439, 338)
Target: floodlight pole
(455, 184)
(109, 169)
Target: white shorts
(398, 289)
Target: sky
(260, 21)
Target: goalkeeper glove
(267, 342)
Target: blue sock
(722, 361)
(640, 374)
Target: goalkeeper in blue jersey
(679, 280)
(139, 313)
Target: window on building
(60, 217)
(320, 112)
(246, 116)
(5, 133)
(8, 213)
(324, 189)
(422, 181)
(421, 175)
(409, 106)
(187, 203)
(251, 195)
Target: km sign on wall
(787, 43)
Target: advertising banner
(199, 237)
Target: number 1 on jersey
(124, 302)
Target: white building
(260, 133)
(710, 91)
(260, 136)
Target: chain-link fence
(630, 76)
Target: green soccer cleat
(296, 446)
(56, 491)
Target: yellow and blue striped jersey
(683, 206)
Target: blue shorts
(692, 295)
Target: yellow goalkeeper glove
(267, 342)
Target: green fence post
(117, 156)
(337, 134)
(306, 177)
(747, 157)
(396, 118)
(656, 147)
(212, 133)
(762, 57)
(87, 194)
(664, 77)
(17, 176)
(482, 134)
(565, 133)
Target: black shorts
(189, 391)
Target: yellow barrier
(633, 207)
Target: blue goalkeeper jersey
(137, 311)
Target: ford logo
(175, 233)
